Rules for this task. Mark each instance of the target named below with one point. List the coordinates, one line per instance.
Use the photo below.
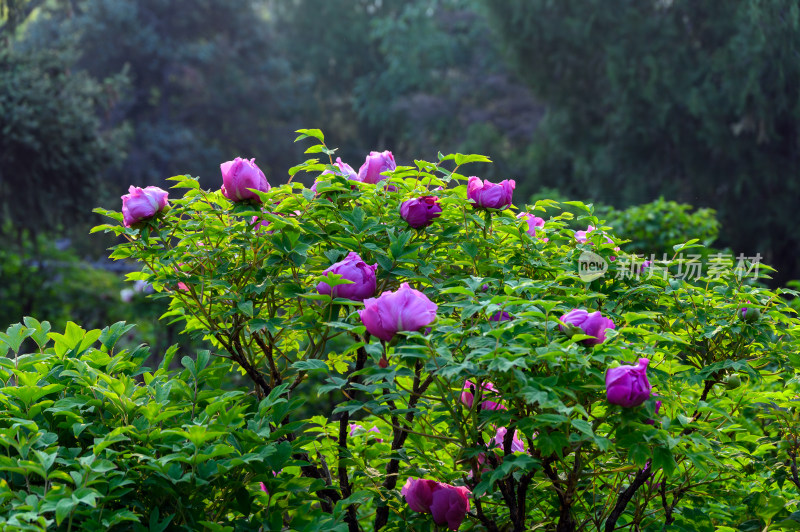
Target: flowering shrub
(520, 422)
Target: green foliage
(656, 227)
(92, 440)
(718, 453)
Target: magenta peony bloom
(419, 493)
(352, 268)
(467, 396)
(533, 223)
(592, 324)
(500, 316)
(628, 386)
(517, 445)
(583, 237)
(142, 203)
(260, 224)
(375, 164)
(640, 267)
(405, 309)
(490, 195)
(238, 176)
(344, 169)
(448, 504)
(420, 212)
(355, 426)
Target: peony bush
(501, 390)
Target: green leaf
(663, 459)
(769, 505)
(583, 426)
(305, 133)
(155, 524)
(470, 158)
(310, 365)
(63, 508)
(14, 336)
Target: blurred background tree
(695, 101)
(615, 101)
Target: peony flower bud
(420, 212)
(142, 203)
(467, 396)
(354, 427)
(374, 165)
(533, 223)
(749, 314)
(238, 176)
(419, 493)
(405, 309)
(592, 324)
(628, 386)
(517, 445)
(500, 316)
(583, 237)
(354, 269)
(488, 195)
(344, 169)
(448, 504)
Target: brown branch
(399, 437)
(344, 481)
(490, 525)
(566, 523)
(625, 497)
(262, 386)
(793, 455)
(703, 396)
(669, 508)
(267, 349)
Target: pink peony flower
(500, 316)
(533, 223)
(355, 427)
(447, 504)
(583, 238)
(240, 175)
(344, 169)
(374, 165)
(420, 212)
(354, 269)
(467, 396)
(628, 386)
(488, 195)
(592, 324)
(405, 309)
(142, 203)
